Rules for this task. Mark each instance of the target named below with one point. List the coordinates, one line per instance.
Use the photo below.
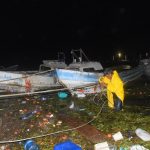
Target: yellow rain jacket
(114, 85)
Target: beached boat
(23, 82)
(53, 64)
(80, 73)
(73, 78)
(146, 65)
(132, 74)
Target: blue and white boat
(80, 73)
(73, 79)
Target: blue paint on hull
(77, 76)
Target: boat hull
(73, 79)
(19, 82)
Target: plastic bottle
(144, 135)
(138, 147)
(43, 98)
(31, 145)
(28, 115)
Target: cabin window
(92, 70)
(89, 69)
(44, 68)
(99, 71)
(76, 69)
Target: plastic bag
(138, 147)
(142, 134)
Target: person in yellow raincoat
(115, 89)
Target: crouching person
(115, 90)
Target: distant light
(119, 55)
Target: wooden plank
(88, 131)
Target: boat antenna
(82, 53)
(79, 57)
(61, 56)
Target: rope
(32, 93)
(46, 91)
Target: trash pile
(142, 134)
(60, 120)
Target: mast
(80, 57)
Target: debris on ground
(47, 128)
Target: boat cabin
(53, 64)
(82, 63)
(90, 66)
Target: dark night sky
(38, 29)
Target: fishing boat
(23, 82)
(146, 65)
(80, 73)
(53, 64)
